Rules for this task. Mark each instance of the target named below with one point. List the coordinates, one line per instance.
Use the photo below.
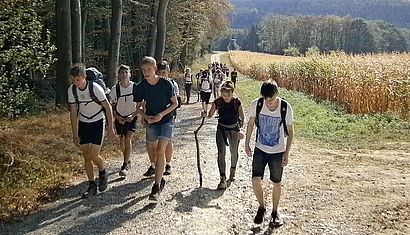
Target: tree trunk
(64, 56)
(76, 30)
(115, 39)
(152, 36)
(162, 30)
(83, 22)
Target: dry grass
(44, 160)
(362, 83)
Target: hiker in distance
(230, 120)
(188, 84)
(273, 118)
(160, 100)
(205, 86)
(124, 109)
(163, 71)
(87, 103)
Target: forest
(40, 39)
(248, 12)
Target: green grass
(327, 124)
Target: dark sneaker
(124, 168)
(161, 185)
(259, 215)
(103, 181)
(167, 170)
(276, 221)
(91, 191)
(150, 171)
(222, 184)
(155, 192)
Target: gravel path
(325, 192)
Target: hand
(76, 140)
(129, 118)
(121, 120)
(285, 159)
(155, 118)
(241, 135)
(203, 114)
(248, 150)
(110, 134)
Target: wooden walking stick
(198, 160)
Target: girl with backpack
(228, 131)
(188, 83)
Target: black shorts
(123, 129)
(91, 132)
(259, 161)
(205, 96)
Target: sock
(102, 172)
(168, 163)
(152, 164)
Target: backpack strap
(118, 90)
(259, 106)
(283, 109)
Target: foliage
(291, 50)
(25, 52)
(361, 83)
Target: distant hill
(248, 12)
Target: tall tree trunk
(76, 30)
(83, 22)
(115, 39)
(152, 36)
(162, 30)
(64, 56)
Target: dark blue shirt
(157, 97)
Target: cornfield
(364, 83)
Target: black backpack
(283, 109)
(96, 76)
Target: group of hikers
(153, 102)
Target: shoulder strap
(118, 90)
(74, 89)
(259, 106)
(92, 94)
(283, 109)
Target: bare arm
(210, 113)
(249, 130)
(74, 123)
(241, 116)
(110, 119)
(289, 141)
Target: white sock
(168, 163)
(152, 164)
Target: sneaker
(232, 174)
(161, 185)
(103, 181)
(276, 221)
(124, 168)
(155, 192)
(259, 215)
(150, 171)
(167, 170)
(222, 184)
(91, 191)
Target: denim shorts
(259, 161)
(159, 131)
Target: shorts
(91, 132)
(274, 160)
(159, 131)
(123, 129)
(205, 96)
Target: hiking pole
(198, 161)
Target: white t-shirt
(125, 104)
(271, 137)
(176, 87)
(87, 107)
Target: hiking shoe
(124, 168)
(259, 215)
(167, 169)
(154, 196)
(103, 181)
(150, 171)
(232, 174)
(276, 221)
(222, 184)
(91, 191)
(161, 185)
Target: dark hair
(269, 89)
(163, 65)
(227, 86)
(123, 67)
(77, 70)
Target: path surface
(325, 191)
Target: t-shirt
(234, 74)
(271, 137)
(125, 104)
(87, 107)
(157, 97)
(227, 112)
(188, 78)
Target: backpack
(118, 93)
(93, 98)
(96, 76)
(219, 103)
(283, 109)
(179, 99)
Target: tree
(161, 30)
(152, 36)
(76, 33)
(64, 52)
(115, 38)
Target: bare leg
(277, 188)
(160, 163)
(257, 189)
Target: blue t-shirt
(157, 97)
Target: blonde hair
(149, 60)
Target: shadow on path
(199, 197)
